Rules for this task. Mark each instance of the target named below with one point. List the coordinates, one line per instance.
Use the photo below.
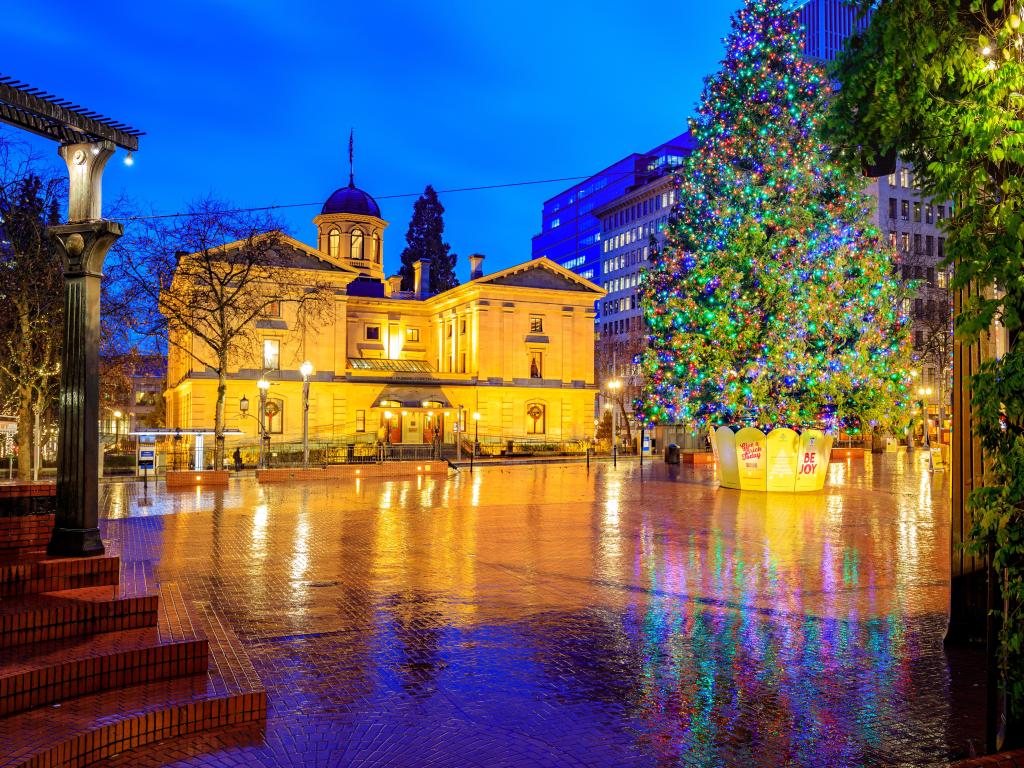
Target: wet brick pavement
(551, 616)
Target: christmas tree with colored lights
(773, 300)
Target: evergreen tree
(772, 301)
(425, 240)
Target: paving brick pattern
(547, 616)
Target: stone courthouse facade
(508, 355)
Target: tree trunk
(218, 426)
(625, 421)
(24, 432)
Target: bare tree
(615, 359)
(198, 282)
(31, 291)
(932, 322)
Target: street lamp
(263, 385)
(306, 369)
(476, 433)
(924, 392)
(614, 385)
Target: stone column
(83, 243)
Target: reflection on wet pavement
(547, 615)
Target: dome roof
(351, 199)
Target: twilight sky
(252, 101)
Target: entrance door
(412, 427)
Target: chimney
(394, 284)
(476, 265)
(421, 278)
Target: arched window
(357, 244)
(274, 416)
(535, 418)
(375, 247)
(333, 242)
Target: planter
(782, 460)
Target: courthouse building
(509, 355)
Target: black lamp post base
(75, 542)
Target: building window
(271, 355)
(272, 309)
(536, 365)
(905, 210)
(536, 325)
(929, 245)
(535, 419)
(451, 329)
(941, 279)
(892, 207)
(904, 178)
(274, 416)
(462, 327)
(917, 244)
(357, 244)
(360, 421)
(917, 211)
(892, 179)
(375, 247)
(373, 333)
(892, 239)
(928, 214)
(940, 212)
(919, 339)
(412, 334)
(333, 242)
(462, 362)
(941, 243)
(905, 242)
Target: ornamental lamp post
(306, 369)
(263, 385)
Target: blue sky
(252, 101)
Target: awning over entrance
(411, 397)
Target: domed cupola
(350, 230)
(351, 199)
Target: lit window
(273, 309)
(333, 242)
(536, 365)
(375, 248)
(412, 334)
(555, 223)
(357, 244)
(536, 325)
(373, 333)
(271, 354)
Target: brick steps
(45, 673)
(95, 662)
(91, 728)
(34, 572)
(26, 531)
(35, 618)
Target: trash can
(671, 453)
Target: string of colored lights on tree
(773, 300)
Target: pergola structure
(87, 140)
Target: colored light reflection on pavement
(547, 615)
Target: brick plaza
(560, 616)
